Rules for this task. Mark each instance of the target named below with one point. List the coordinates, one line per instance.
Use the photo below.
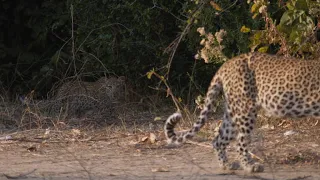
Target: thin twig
(72, 37)
(169, 92)
(176, 42)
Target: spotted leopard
(82, 99)
(281, 86)
(104, 89)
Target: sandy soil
(133, 156)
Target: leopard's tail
(214, 91)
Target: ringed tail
(214, 91)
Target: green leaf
(149, 74)
(290, 6)
(254, 8)
(263, 49)
(245, 29)
(302, 5)
(295, 36)
(289, 17)
(257, 39)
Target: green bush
(44, 42)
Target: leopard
(73, 106)
(278, 85)
(105, 88)
(82, 99)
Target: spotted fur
(96, 100)
(283, 87)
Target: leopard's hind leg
(245, 122)
(227, 133)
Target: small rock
(290, 132)
(315, 145)
(8, 137)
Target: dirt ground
(289, 151)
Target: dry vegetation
(282, 145)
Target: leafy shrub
(48, 41)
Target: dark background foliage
(46, 42)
